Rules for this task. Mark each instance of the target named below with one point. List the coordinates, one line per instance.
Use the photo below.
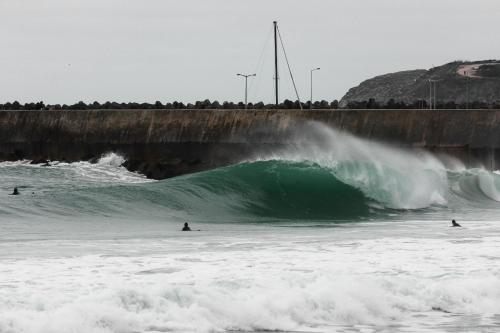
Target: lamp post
(312, 71)
(246, 86)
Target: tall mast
(276, 59)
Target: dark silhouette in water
(437, 308)
(16, 192)
(186, 227)
(455, 224)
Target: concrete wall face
(165, 143)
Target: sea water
(336, 234)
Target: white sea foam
(112, 159)
(14, 163)
(108, 169)
(327, 281)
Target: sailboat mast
(276, 59)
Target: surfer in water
(455, 224)
(186, 227)
(16, 192)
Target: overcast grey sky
(146, 50)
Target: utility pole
(246, 86)
(435, 95)
(467, 90)
(432, 94)
(276, 60)
(312, 71)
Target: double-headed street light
(312, 71)
(246, 86)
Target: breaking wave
(330, 175)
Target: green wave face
(277, 189)
(250, 192)
(267, 190)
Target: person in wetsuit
(16, 192)
(186, 227)
(455, 224)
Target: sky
(65, 51)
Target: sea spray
(393, 177)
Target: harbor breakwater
(167, 143)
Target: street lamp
(312, 71)
(246, 85)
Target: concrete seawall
(166, 143)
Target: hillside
(481, 78)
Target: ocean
(337, 234)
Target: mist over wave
(393, 177)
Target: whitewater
(333, 234)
